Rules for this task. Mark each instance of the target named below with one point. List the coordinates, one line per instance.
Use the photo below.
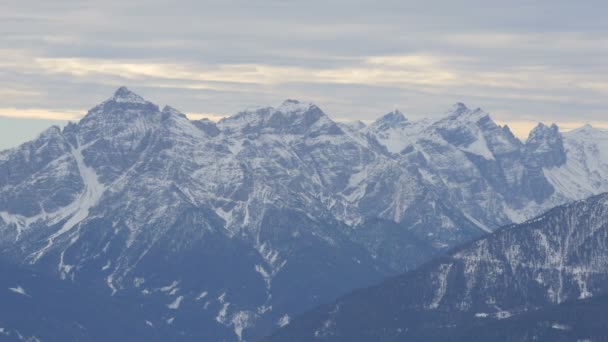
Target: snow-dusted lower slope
(556, 258)
(40, 307)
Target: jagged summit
(295, 106)
(462, 118)
(169, 109)
(51, 131)
(396, 115)
(291, 116)
(288, 106)
(541, 130)
(507, 130)
(459, 107)
(124, 95)
(172, 111)
(460, 111)
(546, 144)
(390, 119)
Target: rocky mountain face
(492, 177)
(223, 231)
(534, 270)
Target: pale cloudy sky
(522, 61)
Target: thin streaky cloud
(356, 59)
(378, 70)
(40, 113)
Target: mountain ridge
(550, 260)
(134, 198)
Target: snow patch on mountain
(395, 132)
(442, 285)
(283, 321)
(170, 289)
(79, 210)
(176, 303)
(586, 168)
(19, 290)
(479, 147)
(242, 320)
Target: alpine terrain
(544, 279)
(224, 231)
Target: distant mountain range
(543, 280)
(224, 231)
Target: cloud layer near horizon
(522, 61)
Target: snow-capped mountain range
(243, 223)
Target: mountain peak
(460, 110)
(299, 116)
(542, 130)
(546, 144)
(51, 131)
(587, 128)
(170, 110)
(116, 112)
(124, 95)
(459, 107)
(291, 115)
(389, 120)
(395, 116)
(291, 106)
(587, 132)
(507, 130)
